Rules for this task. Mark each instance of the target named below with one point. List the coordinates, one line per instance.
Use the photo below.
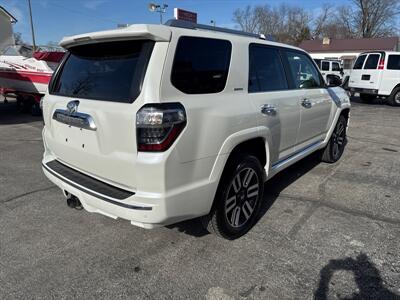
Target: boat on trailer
(26, 75)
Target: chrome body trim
(296, 155)
(75, 119)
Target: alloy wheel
(339, 136)
(242, 197)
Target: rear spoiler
(158, 33)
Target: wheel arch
(252, 141)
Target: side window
(325, 66)
(201, 65)
(318, 62)
(393, 62)
(266, 72)
(359, 62)
(303, 71)
(335, 66)
(372, 62)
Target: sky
(54, 19)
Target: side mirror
(333, 80)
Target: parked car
(161, 123)
(377, 74)
(329, 67)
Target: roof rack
(191, 25)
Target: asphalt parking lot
(327, 231)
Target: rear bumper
(364, 91)
(143, 209)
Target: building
(347, 50)
(6, 32)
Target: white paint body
(181, 182)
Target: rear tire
(238, 199)
(367, 98)
(335, 148)
(394, 98)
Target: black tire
(367, 98)
(335, 148)
(238, 199)
(394, 98)
(36, 110)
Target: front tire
(238, 199)
(335, 148)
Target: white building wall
(6, 31)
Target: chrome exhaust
(73, 201)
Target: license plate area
(365, 77)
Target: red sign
(185, 15)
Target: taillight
(159, 125)
(381, 64)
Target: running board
(296, 155)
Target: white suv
(161, 123)
(377, 74)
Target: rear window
(325, 66)
(393, 62)
(359, 62)
(112, 71)
(201, 65)
(372, 62)
(335, 66)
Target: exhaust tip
(73, 202)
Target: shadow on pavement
(376, 101)
(366, 275)
(272, 190)
(10, 115)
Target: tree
(375, 18)
(285, 23)
(292, 24)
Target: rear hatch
(367, 70)
(91, 108)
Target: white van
(377, 74)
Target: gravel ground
(327, 231)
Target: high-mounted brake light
(381, 64)
(159, 125)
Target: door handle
(268, 109)
(306, 103)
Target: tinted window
(303, 71)
(266, 71)
(325, 66)
(318, 62)
(335, 66)
(372, 62)
(111, 71)
(201, 65)
(393, 62)
(359, 62)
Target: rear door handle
(306, 103)
(268, 109)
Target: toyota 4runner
(157, 124)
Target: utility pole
(32, 29)
(158, 8)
